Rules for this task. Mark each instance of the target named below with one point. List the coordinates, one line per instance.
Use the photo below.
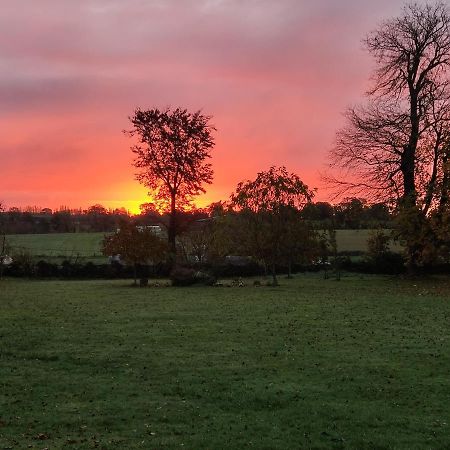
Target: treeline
(352, 213)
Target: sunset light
(71, 77)
(225, 224)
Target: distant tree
(378, 214)
(62, 222)
(99, 218)
(350, 213)
(265, 207)
(171, 156)
(148, 208)
(135, 246)
(97, 210)
(318, 211)
(396, 146)
(120, 212)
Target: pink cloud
(275, 74)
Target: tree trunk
(409, 184)
(266, 271)
(274, 276)
(408, 158)
(289, 268)
(135, 273)
(172, 230)
(408, 202)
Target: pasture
(56, 247)
(85, 247)
(362, 363)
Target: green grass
(356, 241)
(59, 246)
(87, 246)
(362, 363)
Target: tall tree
(267, 207)
(171, 156)
(394, 147)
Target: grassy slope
(361, 363)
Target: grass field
(362, 363)
(59, 246)
(356, 241)
(86, 246)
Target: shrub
(183, 276)
(22, 265)
(45, 269)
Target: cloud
(275, 74)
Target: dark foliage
(183, 276)
(388, 263)
(187, 276)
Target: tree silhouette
(269, 222)
(135, 246)
(396, 146)
(171, 156)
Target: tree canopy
(171, 157)
(269, 225)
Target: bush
(22, 265)
(183, 276)
(205, 278)
(388, 263)
(232, 270)
(45, 269)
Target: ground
(362, 363)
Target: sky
(276, 75)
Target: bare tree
(396, 146)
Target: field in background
(361, 363)
(356, 241)
(87, 246)
(59, 246)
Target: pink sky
(276, 75)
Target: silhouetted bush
(44, 269)
(22, 265)
(206, 278)
(388, 263)
(249, 269)
(183, 276)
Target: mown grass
(361, 363)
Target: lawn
(362, 363)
